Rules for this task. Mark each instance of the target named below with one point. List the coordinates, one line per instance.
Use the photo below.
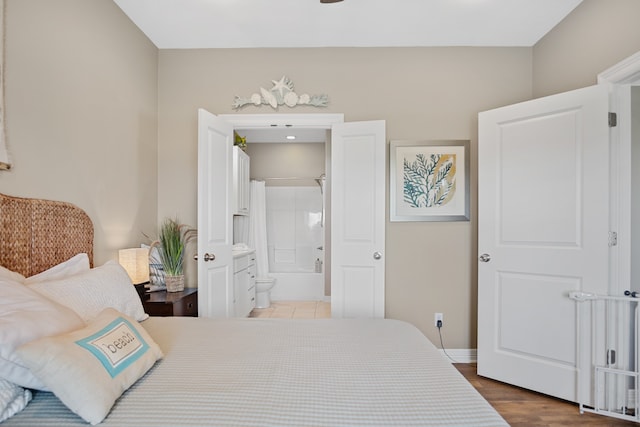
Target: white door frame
(277, 121)
(304, 121)
(285, 121)
(619, 78)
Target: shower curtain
(257, 238)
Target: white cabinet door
(542, 232)
(241, 173)
(215, 226)
(239, 282)
(244, 280)
(251, 272)
(358, 207)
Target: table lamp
(136, 262)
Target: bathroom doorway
(293, 167)
(355, 208)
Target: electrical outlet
(438, 317)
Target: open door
(543, 228)
(215, 218)
(358, 207)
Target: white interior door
(358, 203)
(543, 222)
(215, 219)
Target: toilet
(263, 291)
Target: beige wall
(302, 160)
(595, 36)
(422, 93)
(81, 97)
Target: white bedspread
(270, 372)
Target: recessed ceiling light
(291, 137)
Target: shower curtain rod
(288, 178)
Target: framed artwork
(429, 180)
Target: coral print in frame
(429, 180)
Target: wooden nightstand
(163, 303)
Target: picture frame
(429, 180)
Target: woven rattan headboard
(37, 234)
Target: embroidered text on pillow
(116, 346)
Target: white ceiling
(187, 24)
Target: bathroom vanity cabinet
(244, 283)
(241, 164)
(244, 262)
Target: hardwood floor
(520, 407)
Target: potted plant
(240, 141)
(171, 247)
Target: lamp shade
(136, 262)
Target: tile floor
(294, 310)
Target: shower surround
(295, 242)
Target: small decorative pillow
(92, 291)
(74, 265)
(25, 315)
(13, 399)
(90, 368)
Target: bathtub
(298, 286)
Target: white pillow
(90, 368)
(72, 266)
(26, 315)
(5, 273)
(92, 291)
(13, 399)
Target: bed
(235, 372)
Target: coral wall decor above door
(282, 93)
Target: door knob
(485, 258)
(377, 255)
(209, 257)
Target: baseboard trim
(460, 355)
